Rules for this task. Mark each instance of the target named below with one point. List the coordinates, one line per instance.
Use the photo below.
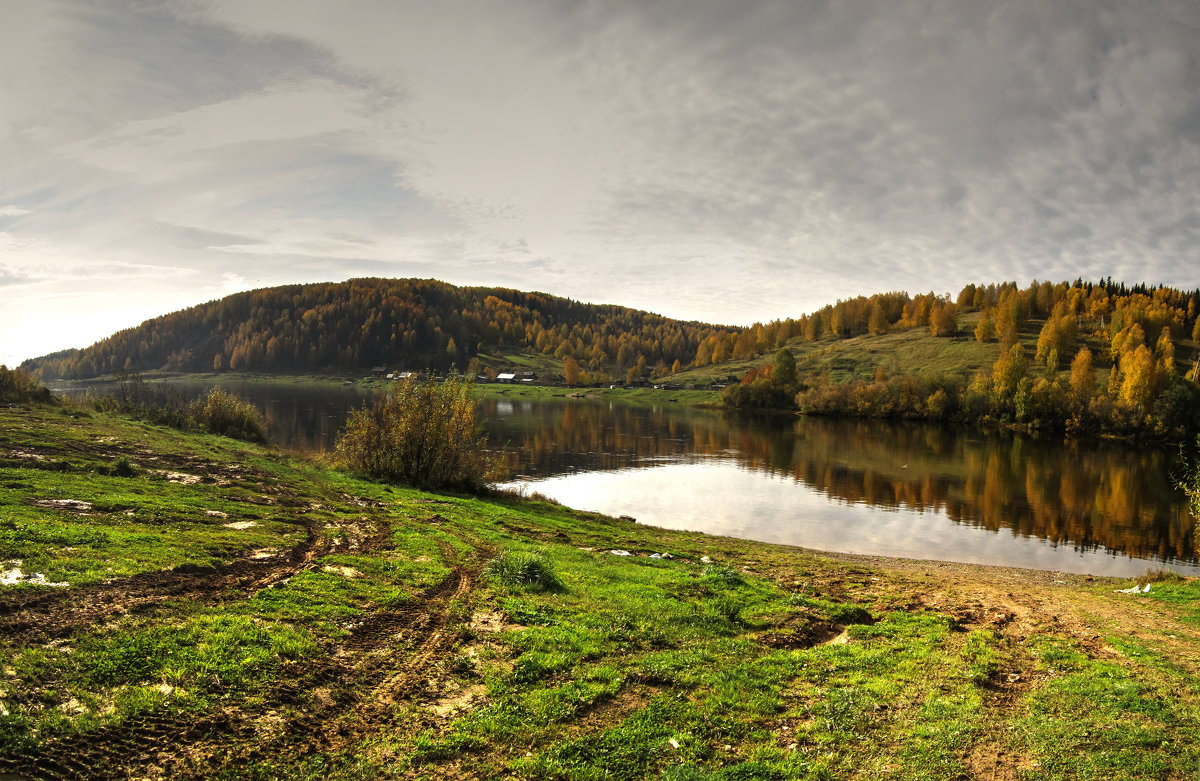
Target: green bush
(422, 434)
(524, 570)
(229, 415)
(123, 467)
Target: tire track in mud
(31, 618)
(387, 659)
(325, 704)
(1015, 617)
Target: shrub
(134, 397)
(527, 571)
(1188, 478)
(230, 415)
(17, 385)
(123, 467)
(422, 434)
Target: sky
(730, 162)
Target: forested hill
(399, 323)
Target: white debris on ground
(620, 553)
(240, 525)
(178, 477)
(216, 514)
(64, 504)
(345, 572)
(11, 575)
(1135, 589)
(25, 455)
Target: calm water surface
(909, 490)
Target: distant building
(379, 371)
(506, 377)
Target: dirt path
(1018, 604)
(330, 702)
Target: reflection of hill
(1084, 495)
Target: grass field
(233, 612)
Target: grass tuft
(527, 571)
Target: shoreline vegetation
(1075, 357)
(181, 604)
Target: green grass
(1106, 718)
(686, 398)
(558, 660)
(907, 351)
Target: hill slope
(400, 323)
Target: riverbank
(231, 611)
(687, 398)
(684, 398)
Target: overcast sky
(722, 161)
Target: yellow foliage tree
(570, 371)
(1138, 378)
(1083, 375)
(1008, 372)
(985, 329)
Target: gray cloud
(728, 161)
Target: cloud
(176, 144)
(705, 159)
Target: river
(897, 489)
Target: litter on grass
(11, 575)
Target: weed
(723, 576)
(728, 608)
(527, 571)
(1159, 575)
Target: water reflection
(904, 489)
(1084, 496)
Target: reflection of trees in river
(1083, 494)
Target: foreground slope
(233, 612)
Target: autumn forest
(1075, 356)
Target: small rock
(216, 514)
(620, 553)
